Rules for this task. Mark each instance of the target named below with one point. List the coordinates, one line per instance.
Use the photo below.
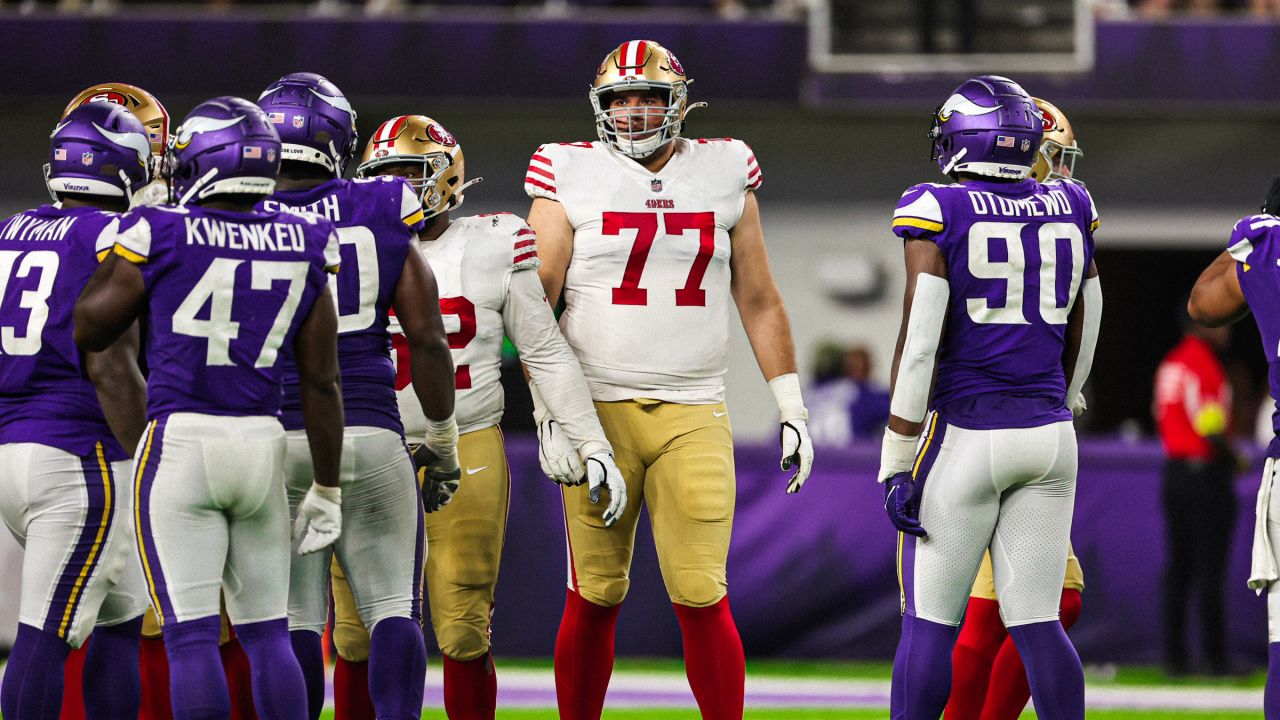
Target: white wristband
(786, 392)
(897, 454)
(442, 435)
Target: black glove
(438, 477)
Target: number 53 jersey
(1016, 256)
(647, 289)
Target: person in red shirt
(1192, 407)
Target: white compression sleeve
(919, 350)
(553, 368)
(1092, 297)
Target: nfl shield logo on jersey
(87, 158)
(655, 185)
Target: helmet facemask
(1061, 159)
(661, 123)
(435, 166)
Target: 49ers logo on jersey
(441, 136)
(107, 96)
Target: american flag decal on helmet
(1004, 141)
(632, 56)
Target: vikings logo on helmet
(960, 104)
(196, 125)
(133, 141)
(441, 135)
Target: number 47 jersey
(1016, 255)
(647, 290)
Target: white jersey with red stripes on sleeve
(473, 261)
(647, 290)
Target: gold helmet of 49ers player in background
(641, 65)
(1059, 149)
(410, 139)
(141, 103)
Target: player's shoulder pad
(919, 212)
(1252, 235)
(106, 238)
(506, 238)
(540, 177)
(133, 240)
(1081, 194)
(736, 155)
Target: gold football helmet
(1059, 149)
(141, 103)
(409, 139)
(641, 65)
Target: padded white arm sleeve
(1092, 296)
(561, 388)
(920, 349)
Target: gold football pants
(464, 547)
(985, 584)
(678, 460)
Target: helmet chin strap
(954, 160)
(128, 187)
(48, 168)
(196, 187)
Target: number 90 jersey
(647, 290)
(473, 261)
(1016, 255)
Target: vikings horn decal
(337, 101)
(200, 124)
(58, 129)
(133, 141)
(964, 106)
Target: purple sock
(279, 692)
(1053, 669)
(11, 688)
(310, 654)
(922, 670)
(197, 687)
(1271, 697)
(112, 686)
(33, 678)
(397, 669)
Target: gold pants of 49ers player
(678, 460)
(985, 585)
(464, 547)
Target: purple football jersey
(1016, 255)
(377, 219)
(1255, 244)
(46, 257)
(226, 292)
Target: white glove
(557, 456)
(319, 521)
(153, 194)
(797, 452)
(1078, 405)
(603, 472)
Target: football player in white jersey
(646, 236)
(485, 267)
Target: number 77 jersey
(1016, 256)
(647, 289)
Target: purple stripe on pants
(85, 556)
(143, 484)
(937, 428)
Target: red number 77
(646, 227)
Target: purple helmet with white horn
(224, 146)
(98, 149)
(315, 121)
(989, 126)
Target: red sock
(980, 638)
(713, 659)
(235, 665)
(351, 699)
(73, 685)
(584, 657)
(1009, 691)
(470, 688)
(155, 681)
